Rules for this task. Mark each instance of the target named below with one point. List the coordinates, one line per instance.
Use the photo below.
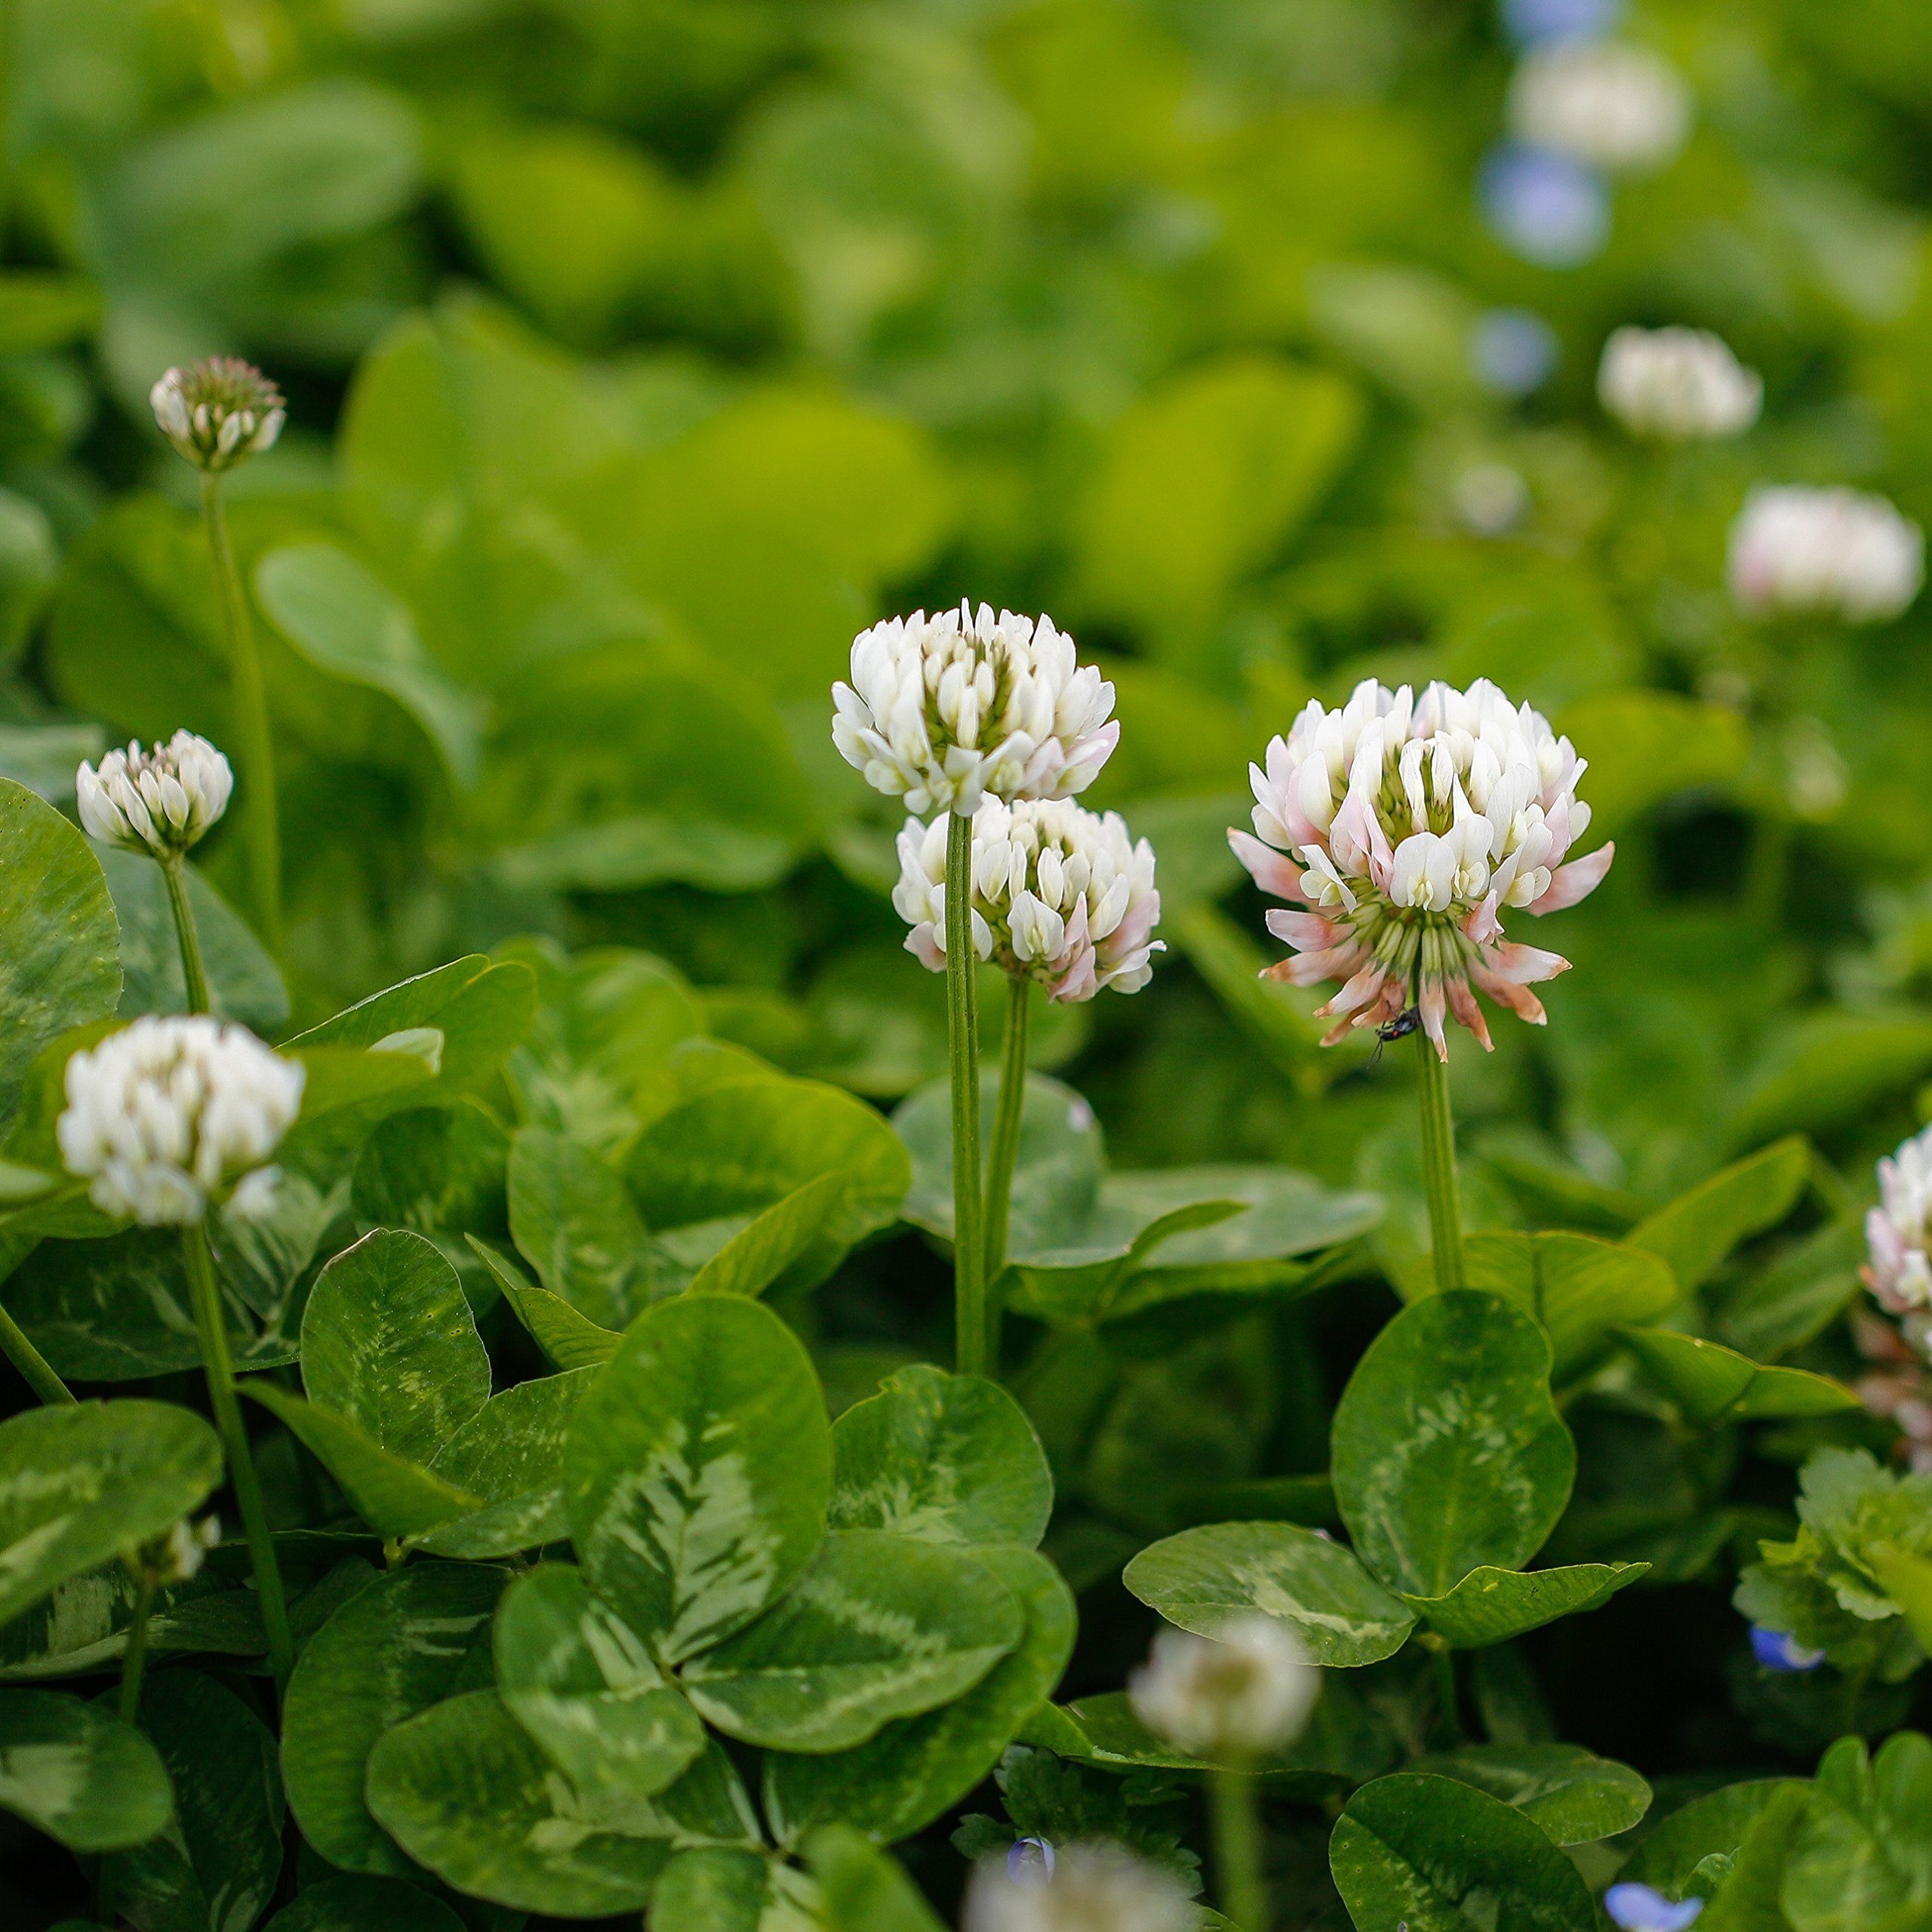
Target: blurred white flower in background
(1406, 828)
(159, 801)
(943, 710)
(165, 1114)
(1097, 1886)
(216, 413)
(1677, 384)
(1061, 895)
(1492, 498)
(1796, 550)
(1244, 1694)
(1610, 103)
(1896, 1270)
(1549, 208)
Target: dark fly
(1399, 1028)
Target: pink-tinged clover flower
(1402, 830)
(944, 711)
(1896, 1270)
(1061, 895)
(1799, 551)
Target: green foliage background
(640, 352)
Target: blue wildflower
(1778, 1650)
(1644, 1908)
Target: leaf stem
(1006, 1146)
(194, 973)
(32, 1364)
(969, 1256)
(1236, 1822)
(251, 721)
(134, 1659)
(1438, 1164)
(215, 1360)
(1446, 1696)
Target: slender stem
(200, 1260)
(1006, 1147)
(969, 1253)
(134, 1659)
(1438, 1164)
(1446, 1696)
(32, 1364)
(194, 974)
(251, 721)
(1242, 1887)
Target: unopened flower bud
(1677, 384)
(1779, 1650)
(1839, 553)
(1097, 1886)
(164, 1117)
(1242, 1695)
(943, 711)
(177, 1557)
(218, 412)
(160, 802)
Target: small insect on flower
(1062, 895)
(1093, 1887)
(1796, 551)
(944, 711)
(168, 1117)
(1239, 1696)
(218, 412)
(160, 802)
(1390, 1031)
(1403, 829)
(1677, 384)
(1643, 1909)
(1779, 1650)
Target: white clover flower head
(1896, 1270)
(1677, 385)
(163, 1116)
(1402, 830)
(1842, 553)
(218, 412)
(1606, 102)
(1096, 1886)
(1061, 895)
(945, 710)
(160, 802)
(1243, 1694)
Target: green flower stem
(1236, 1820)
(251, 722)
(200, 1260)
(969, 1253)
(1446, 1696)
(1438, 1164)
(1006, 1146)
(133, 1661)
(32, 1364)
(194, 973)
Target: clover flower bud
(943, 711)
(218, 412)
(1607, 102)
(1242, 1695)
(160, 802)
(1643, 1909)
(1841, 553)
(165, 1117)
(1897, 1270)
(1402, 830)
(1061, 895)
(176, 1558)
(1779, 1650)
(1677, 384)
(1095, 1887)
